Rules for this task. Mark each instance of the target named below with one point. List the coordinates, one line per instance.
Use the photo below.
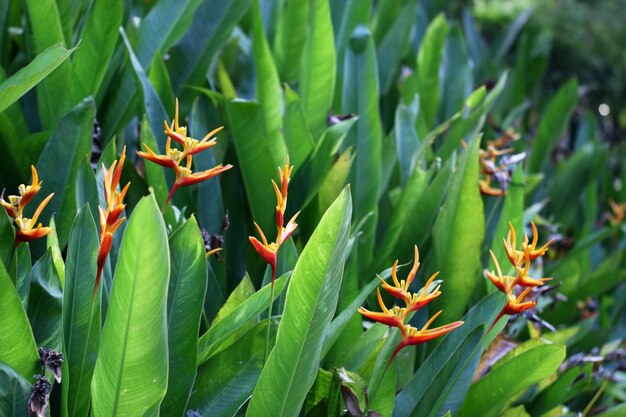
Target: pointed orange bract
(269, 251)
(521, 260)
(27, 228)
(181, 161)
(397, 316)
(110, 218)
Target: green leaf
(360, 96)
(309, 177)
(45, 303)
(45, 24)
(291, 34)
(395, 45)
(257, 162)
(228, 322)
(225, 382)
(131, 371)
(187, 288)
(427, 70)
(81, 314)
(617, 411)
(353, 13)
(212, 26)
(7, 239)
(553, 123)
(267, 84)
(456, 81)
(22, 266)
(298, 138)
(407, 141)
(96, 49)
(458, 235)
(26, 78)
(70, 143)
(489, 395)
(442, 381)
(317, 77)
(17, 344)
(155, 112)
(166, 22)
(310, 303)
(14, 392)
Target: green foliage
(395, 116)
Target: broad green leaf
(291, 34)
(187, 288)
(553, 123)
(267, 84)
(427, 70)
(317, 77)
(45, 303)
(360, 96)
(87, 189)
(45, 24)
(257, 162)
(14, 392)
(81, 314)
(70, 143)
(310, 304)
(96, 49)
(489, 395)
(225, 382)
(26, 78)
(212, 25)
(17, 344)
(458, 235)
(131, 371)
(227, 323)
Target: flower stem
(269, 322)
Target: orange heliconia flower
(269, 251)
(517, 287)
(110, 218)
(396, 317)
(489, 167)
(181, 161)
(27, 228)
(619, 210)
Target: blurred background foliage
(399, 99)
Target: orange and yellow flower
(619, 210)
(181, 160)
(269, 251)
(517, 288)
(397, 316)
(27, 228)
(110, 218)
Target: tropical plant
(139, 274)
